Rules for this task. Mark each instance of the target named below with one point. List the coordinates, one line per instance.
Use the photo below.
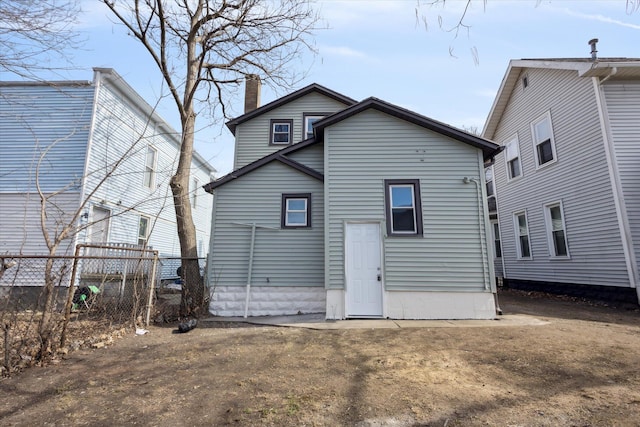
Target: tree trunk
(193, 301)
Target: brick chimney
(252, 92)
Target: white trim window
(143, 230)
(556, 230)
(194, 193)
(521, 228)
(309, 120)
(296, 211)
(512, 158)
(544, 144)
(497, 245)
(150, 164)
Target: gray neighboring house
(354, 209)
(568, 180)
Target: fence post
(69, 303)
(152, 287)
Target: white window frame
(546, 117)
(516, 230)
(307, 118)
(272, 133)
(549, 228)
(507, 158)
(194, 193)
(141, 237)
(490, 173)
(495, 226)
(149, 176)
(285, 222)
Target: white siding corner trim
(616, 187)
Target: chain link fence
(101, 287)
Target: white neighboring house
(568, 181)
(65, 138)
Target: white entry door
(99, 229)
(363, 270)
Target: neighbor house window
(488, 178)
(143, 230)
(403, 207)
(522, 235)
(150, 167)
(556, 235)
(309, 120)
(296, 210)
(495, 227)
(194, 193)
(514, 167)
(281, 132)
(543, 142)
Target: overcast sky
(378, 48)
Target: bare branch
(34, 32)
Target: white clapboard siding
(579, 179)
(623, 106)
(106, 128)
(252, 137)
(370, 147)
(282, 257)
(43, 120)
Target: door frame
(380, 225)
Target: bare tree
(34, 31)
(204, 49)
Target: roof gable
(314, 87)
(584, 67)
(279, 156)
(488, 148)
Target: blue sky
(378, 48)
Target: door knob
(379, 278)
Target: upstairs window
(543, 142)
(514, 166)
(281, 132)
(556, 235)
(309, 120)
(523, 245)
(404, 207)
(296, 211)
(488, 179)
(150, 167)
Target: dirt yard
(580, 369)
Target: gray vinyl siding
(579, 179)
(312, 156)
(623, 106)
(286, 257)
(252, 137)
(370, 147)
(37, 118)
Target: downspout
(616, 186)
(483, 252)
(250, 272)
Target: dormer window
(281, 132)
(309, 120)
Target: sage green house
(354, 209)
